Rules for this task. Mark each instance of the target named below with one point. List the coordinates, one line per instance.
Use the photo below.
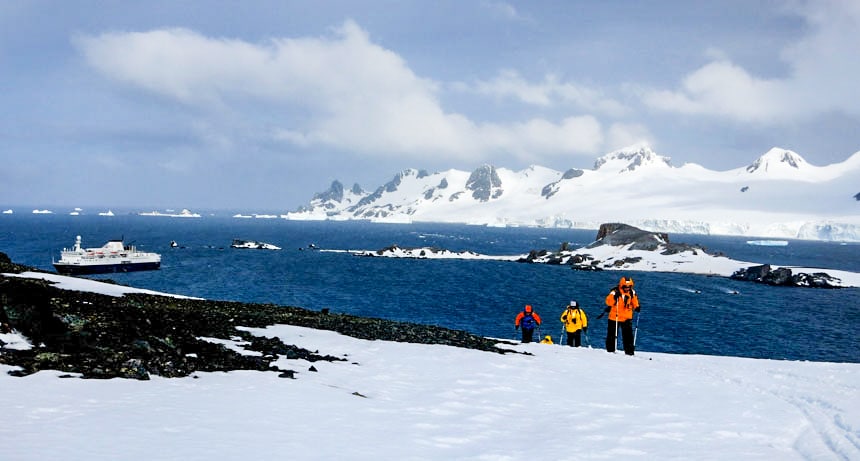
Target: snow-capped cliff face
(632, 159)
(778, 160)
(778, 195)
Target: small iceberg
(9, 211)
(768, 243)
(185, 213)
(250, 244)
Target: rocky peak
(777, 158)
(631, 158)
(333, 194)
(484, 183)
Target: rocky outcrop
(135, 336)
(631, 238)
(617, 234)
(334, 193)
(784, 276)
(484, 183)
(612, 234)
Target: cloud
(621, 135)
(550, 92)
(505, 10)
(341, 91)
(822, 75)
(724, 89)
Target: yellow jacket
(574, 319)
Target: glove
(585, 330)
(607, 309)
(601, 315)
(516, 327)
(636, 310)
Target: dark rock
(334, 193)
(617, 234)
(134, 368)
(484, 183)
(785, 277)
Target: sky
(258, 105)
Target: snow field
(411, 401)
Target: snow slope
(420, 402)
(778, 195)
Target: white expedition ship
(112, 257)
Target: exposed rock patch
(135, 336)
(784, 276)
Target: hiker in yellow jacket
(575, 323)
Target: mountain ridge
(777, 195)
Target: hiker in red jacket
(528, 320)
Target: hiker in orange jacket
(528, 320)
(621, 302)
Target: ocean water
(681, 313)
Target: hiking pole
(636, 327)
(616, 330)
(561, 336)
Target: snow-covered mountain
(778, 195)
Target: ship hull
(84, 269)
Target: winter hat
(574, 304)
(528, 307)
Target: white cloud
(621, 135)
(722, 88)
(550, 92)
(505, 10)
(823, 66)
(341, 92)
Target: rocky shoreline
(136, 335)
(635, 239)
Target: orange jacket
(621, 304)
(523, 314)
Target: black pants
(527, 335)
(575, 338)
(626, 328)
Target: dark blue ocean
(687, 314)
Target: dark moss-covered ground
(134, 336)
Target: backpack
(528, 322)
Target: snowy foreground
(409, 401)
(413, 402)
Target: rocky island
(621, 246)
